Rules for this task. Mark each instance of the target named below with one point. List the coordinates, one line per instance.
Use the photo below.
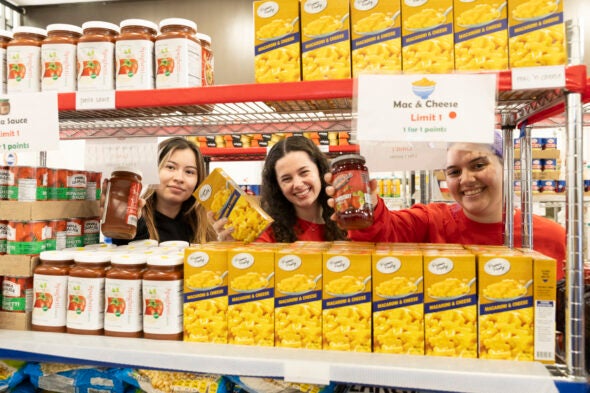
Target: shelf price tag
(29, 122)
(103, 99)
(538, 77)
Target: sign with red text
(426, 108)
(29, 122)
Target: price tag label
(427, 108)
(86, 100)
(538, 77)
(29, 122)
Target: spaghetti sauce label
(131, 213)
(350, 190)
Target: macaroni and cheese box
(250, 317)
(398, 302)
(205, 293)
(450, 303)
(545, 305)
(505, 306)
(536, 33)
(375, 36)
(427, 36)
(222, 195)
(298, 298)
(277, 41)
(325, 39)
(481, 35)
(346, 315)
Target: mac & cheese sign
(426, 108)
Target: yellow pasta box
(450, 303)
(205, 293)
(277, 41)
(427, 36)
(375, 36)
(298, 298)
(536, 33)
(545, 305)
(325, 39)
(222, 195)
(250, 317)
(505, 306)
(346, 315)
(481, 35)
(398, 302)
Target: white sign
(426, 108)
(403, 156)
(29, 122)
(538, 77)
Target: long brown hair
(274, 202)
(194, 215)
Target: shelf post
(526, 194)
(508, 124)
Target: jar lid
(144, 242)
(56, 255)
(204, 37)
(96, 24)
(174, 244)
(64, 27)
(30, 30)
(99, 246)
(92, 257)
(128, 259)
(5, 33)
(179, 22)
(165, 260)
(345, 157)
(127, 169)
(139, 22)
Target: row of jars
(137, 54)
(104, 291)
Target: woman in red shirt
(474, 178)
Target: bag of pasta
(161, 381)
(63, 377)
(11, 374)
(220, 194)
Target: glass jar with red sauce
(207, 63)
(23, 60)
(58, 58)
(96, 56)
(162, 297)
(120, 211)
(134, 52)
(352, 195)
(123, 297)
(50, 284)
(85, 313)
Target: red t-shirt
(309, 232)
(447, 223)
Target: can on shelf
(91, 231)
(26, 237)
(57, 234)
(4, 182)
(76, 186)
(3, 236)
(74, 232)
(27, 183)
(93, 185)
(57, 184)
(17, 294)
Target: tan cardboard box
(18, 265)
(15, 320)
(48, 210)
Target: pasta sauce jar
(50, 284)
(124, 308)
(134, 52)
(23, 60)
(352, 194)
(207, 64)
(96, 56)
(58, 58)
(119, 218)
(162, 297)
(85, 312)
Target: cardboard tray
(48, 210)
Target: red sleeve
(549, 238)
(267, 236)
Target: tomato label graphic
(165, 66)
(154, 308)
(17, 71)
(76, 303)
(128, 67)
(90, 68)
(52, 70)
(116, 306)
(43, 300)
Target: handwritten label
(104, 99)
(538, 77)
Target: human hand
(223, 234)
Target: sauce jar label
(351, 190)
(85, 303)
(23, 64)
(162, 308)
(135, 68)
(49, 307)
(59, 67)
(178, 63)
(123, 305)
(96, 66)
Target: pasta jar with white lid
(134, 52)
(178, 54)
(58, 57)
(96, 56)
(5, 38)
(177, 244)
(162, 297)
(123, 296)
(207, 63)
(50, 284)
(23, 60)
(86, 280)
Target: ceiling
(26, 3)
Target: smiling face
(474, 178)
(178, 178)
(299, 180)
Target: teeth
(472, 192)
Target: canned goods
(57, 184)
(26, 237)
(76, 185)
(547, 186)
(560, 186)
(27, 184)
(3, 236)
(74, 232)
(17, 294)
(91, 231)
(93, 184)
(4, 182)
(57, 234)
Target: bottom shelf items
(294, 365)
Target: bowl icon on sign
(423, 88)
